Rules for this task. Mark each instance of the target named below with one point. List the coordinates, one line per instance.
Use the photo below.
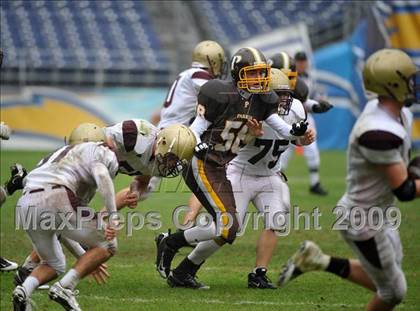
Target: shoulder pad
(269, 98)
(217, 89)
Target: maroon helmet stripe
(129, 130)
(202, 75)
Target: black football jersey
(228, 109)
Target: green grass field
(135, 285)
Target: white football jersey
(134, 140)
(377, 138)
(71, 166)
(181, 102)
(261, 156)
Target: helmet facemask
(255, 78)
(169, 165)
(413, 85)
(285, 102)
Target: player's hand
(131, 199)
(308, 138)
(4, 131)
(201, 150)
(255, 128)
(322, 106)
(299, 128)
(100, 275)
(111, 228)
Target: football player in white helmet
(378, 155)
(164, 154)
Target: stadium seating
(232, 21)
(115, 35)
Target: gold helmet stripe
(257, 56)
(286, 60)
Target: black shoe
(318, 190)
(184, 280)
(18, 173)
(6, 265)
(259, 279)
(21, 274)
(164, 256)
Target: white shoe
(309, 257)
(21, 302)
(65, 297)
(7, 265)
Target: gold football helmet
(286, 64)
(174, 148)
(86, 132)
(391, 73)
(280, 84)
(211, 55)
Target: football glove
(299, 128)
(18, 173)
(4, 131)
(321, 107)
(201, 149)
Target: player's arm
(404, 187)
(105, 186)
(200, 125)
(291, 132)
(315, 106)
(139, 187)
(381, 148)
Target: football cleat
(185, 280)
(165, 255)
(64, 296)
(259, 279)
(309, 257)
(6, 265)
(21, 302)
(318, 190)
(21, 274)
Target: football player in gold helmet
(377, 174)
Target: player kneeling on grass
(378, 156)
(55, 189)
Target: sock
(70, 279)
(339, 266)
(30, 284)
(187, 267)
(200, 233)
(177, 240)
(313, 176)
(202, 251)
(29, 264)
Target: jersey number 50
(233, 133)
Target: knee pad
(395, 291)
